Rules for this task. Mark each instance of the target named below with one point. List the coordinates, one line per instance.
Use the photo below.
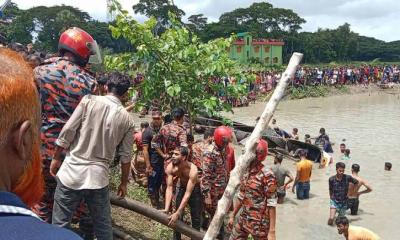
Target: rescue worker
(197, 159)
(62, 82)
(257, 199)
(198, 149)
(215, 174)
(171, 136)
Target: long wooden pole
(121, 235)
(156, 215)
(249, 154)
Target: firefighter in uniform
(215, 175)
(257, 199)
(171, 136)
(62, 82)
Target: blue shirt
(18, 222)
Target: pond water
(369, 123)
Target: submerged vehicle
(275, 142)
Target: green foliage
(260, 19)
(179, 70)
(343, 89)
(134, 192)
(308, 91)
(140, 194)
(47, 23)
(160, 10)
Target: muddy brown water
(369, 123)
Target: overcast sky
(374, 18)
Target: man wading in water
(281, 173)
(354, 193)
(338, 189)
(303, 176)
(354, 232)
(188, 189)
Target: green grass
(343, 89)
(135, 192)
(132, 222)
(308, 91)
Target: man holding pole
(99, 129)
(215, 175)
(188, 189)
(257, 198)
(246, 158)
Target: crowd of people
(60, 172)
(266, 81)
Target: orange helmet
(80, 43)
(262, 150)
(222, 135)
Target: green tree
(12, 29)
(260, 19)
(158, 9)
(197, 23)
(179, 70)
(50, 22)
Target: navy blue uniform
(18, 222)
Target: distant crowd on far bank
(385, 76)
(266, 81)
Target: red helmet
(262, 150)
(222, 135)
(78, 42)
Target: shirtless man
(354, 193)
(188, 189)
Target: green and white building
(268, 51)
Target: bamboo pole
(156, 215)
(121, 235)
(249, 154)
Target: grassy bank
(315, 91)
(132, 223)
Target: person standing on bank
(171, 136)
(62, 82)
(215, 174)
(338, 191)
(98, 127)
(188, 189)
(154, 162)
(303, 177)
(257, 198)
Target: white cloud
(374, 18)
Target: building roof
(273, 42)
(241, 41)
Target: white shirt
(98, 126)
